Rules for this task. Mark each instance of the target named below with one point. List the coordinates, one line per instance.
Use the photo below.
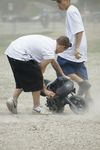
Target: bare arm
(77, 44)
(44, 64)
(58, 69)
(78, 39)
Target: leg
(88, 96)
(77, 72)
(17, 93)
(83, 85)
(75, 78)
(82, 72)
(79, 80)
(36, 98)
(12, 102)
(36, 102)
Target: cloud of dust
(94, 109)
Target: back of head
(64, 40)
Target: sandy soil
(66, 131)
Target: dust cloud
(53, 132)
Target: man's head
(63, 43)
(63, 4)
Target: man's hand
(77, 54)
(49, 93)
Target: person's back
(31, 47)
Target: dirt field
(65, 131)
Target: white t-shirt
(30, 47)
(74, 25)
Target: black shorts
(27, 74)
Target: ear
(57, 49)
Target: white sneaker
(41, 110)
(12, 105)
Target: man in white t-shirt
(72, 61)
(28, 57)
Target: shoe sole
(38, 113)
(10, 108)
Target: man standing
(72, 61)
(28, 57)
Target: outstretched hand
(49, 93)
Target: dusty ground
(54, 132)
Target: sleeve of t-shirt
(75, 22)
(48, 54)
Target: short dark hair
(64, 40)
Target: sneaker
(41, 110)
(83, 87)
(12, 105)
